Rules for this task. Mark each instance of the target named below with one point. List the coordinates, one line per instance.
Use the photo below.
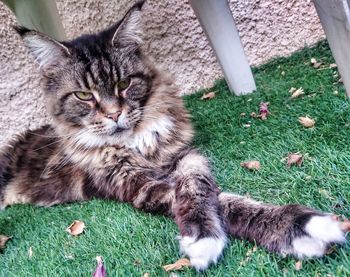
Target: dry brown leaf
(100, 270)
(307, 121)
(292, 89)
(298, 265)
(297, 92)
(3, 240)
(253, 114)
(264, 110)
(294, 158)
(208, 96)
(242, 114)
(246, 125)
(146, 275)
(333, 65)
(313, 60)
(76, 228)
(30, 252)
(252, 165)
(315, 64)
(177, 265)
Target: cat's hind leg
(288, 230)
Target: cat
(120, 131)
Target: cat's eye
(123, 84)
(85, 96)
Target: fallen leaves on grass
(76, 228)
(3, 240)
(252, 165)
(100, 270)
(294, 158)
(264, 110)
(248, 256)
(333, 65)
(208, 96)
(315, 63)
(298, 265)
(146, 275)
(177, 265)
(307, 121)
(30, 252)
(325, 194)
(296, 92)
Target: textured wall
(268, 28)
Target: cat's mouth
(110, 131)
(117, 130)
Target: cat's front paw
(202, 252)
(320, 232)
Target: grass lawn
(133, 242)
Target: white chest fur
(146, 138)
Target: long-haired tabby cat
(120, 131)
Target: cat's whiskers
(62, 138)
(65, 158)
(56, 136)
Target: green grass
(133, 242)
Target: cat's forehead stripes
(98, 71)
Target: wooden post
(216, 19)
(335, 20)
(41, 15)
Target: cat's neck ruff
(85, 149)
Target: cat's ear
(128, 32)
(48, 52)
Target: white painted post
(335, 20)
(217, 21)
(41, 15)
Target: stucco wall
(268, 28)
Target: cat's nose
(114, 116)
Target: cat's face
(96, 85)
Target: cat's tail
(289, 229)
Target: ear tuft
(129, 31)
(21, 30)
(48, 52)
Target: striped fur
(133, 144)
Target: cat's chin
(91, 140)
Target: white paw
(202, 252)
(322, 231)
